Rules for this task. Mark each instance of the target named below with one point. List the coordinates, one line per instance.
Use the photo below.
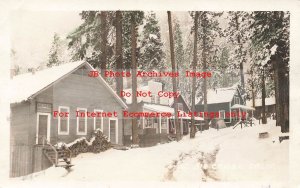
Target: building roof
(159, 108)
(258, 102)
(27, 86)
(171, 101)
(220, 95)
(243, 107)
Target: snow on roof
(258, 102)
(220, 95)
(239, 106)
(25, 85)
(159, 108)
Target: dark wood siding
(215, 108)
(75, 90)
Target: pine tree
(103, 42)
(178, 45)
(152, 55)
(194, 65)
(238, 34)
(271, 30)
(209, 30)
(55, 52)
(119, 52)
(85, 40)
(177, 126)
(126, 38)
(136, 17)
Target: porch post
(159, 124)
(181, 126)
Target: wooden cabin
(270, 107)
(156, 129)
(221, 101)
(65, 89)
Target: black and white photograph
(200, 96)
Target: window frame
(101, 127)
(236, 100)
(220, 112)
(68, 121)
(85, 122)
(116, 129)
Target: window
(63, 122)
(82, 121)
(164, 123)
(149, 122)
(236, 100)
(222, 114)
(113, 130)
(180, 106)
(153, 99)
(157, 100)
(98, 121)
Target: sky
(32, 33)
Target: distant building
(156, 129)
(270, 106)
(221, 101)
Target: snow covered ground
(224, 155)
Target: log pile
(81, 146)
(98, 142)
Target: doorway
(43, 127)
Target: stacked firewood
(98, 142)
(81, 146)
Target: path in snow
(241, 156)
(194, 165)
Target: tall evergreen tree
(103, 43)
(85, 40)
(55, 52)
(238, 34)
(194, 65)
(151, 52)
(209, 30)
(271, 30)
(119, 52)
(178, 44)
(177, 126)
(136, 18)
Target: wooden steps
(58, 157)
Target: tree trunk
(281, 93)
(119, 55)
(178, 131)
(193, 126)
(135, 136)
(103, 45)
(263, 98)
(240, 48)
(253, 94)
(204, 59)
